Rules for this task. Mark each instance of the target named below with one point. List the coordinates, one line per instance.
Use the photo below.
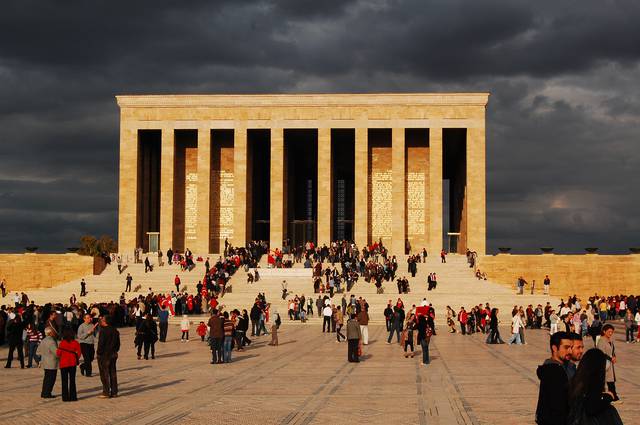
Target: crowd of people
(63, 337)
(53, 337)
(67, 337)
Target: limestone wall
(28, 271)
(580, 274)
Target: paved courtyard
(307, 380)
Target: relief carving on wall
(226, 205)
(381, 205)
(415, 203)
(191, 207)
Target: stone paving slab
(307, 380)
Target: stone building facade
(405, 168)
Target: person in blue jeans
(33, 337)
(396, 323)
(228, 338)
(163, 319)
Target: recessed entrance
(343, 159)
(258, 190)
(455, 171)
(148, 190)
(301, 185)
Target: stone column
(325, 187)
(128, 194)
(166, 188)
(398, 176)
(475, 196)
(435, 191)
(203, 241)
(276, 216)
(240, 187)
(361, 188)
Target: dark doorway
(301, 185)
(148, 198)
(455, 171)
(259, 178)
(343, 172)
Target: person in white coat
(516, 324)
(49, 362)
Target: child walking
(184, 326)
(202, 330)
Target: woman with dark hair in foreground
(588, 399)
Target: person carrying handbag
(69, 353)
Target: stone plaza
(307, 380)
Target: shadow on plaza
(248, 356)
(175, 354)
(133, 368)
(137, 389)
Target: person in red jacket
(462, 318)
(202, 330)
(69, 354)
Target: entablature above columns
(264, 124)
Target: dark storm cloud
(561, 124)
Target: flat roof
(328, 99)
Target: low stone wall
(29, 271)
(570, 274)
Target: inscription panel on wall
(191, 207)
(224, 227)
(381, 205)
(416, 203)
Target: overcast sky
(563, 151)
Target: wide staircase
(109, 285)
(457, 287)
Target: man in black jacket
(14, 337)
(107, 354)
(388, 316)
(255, 318)
(553, 398)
